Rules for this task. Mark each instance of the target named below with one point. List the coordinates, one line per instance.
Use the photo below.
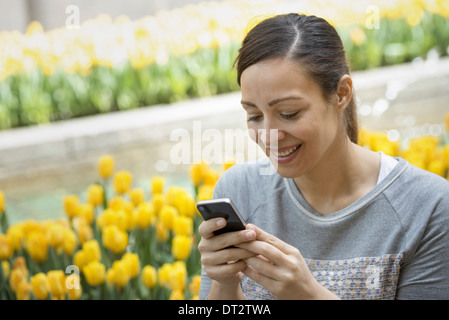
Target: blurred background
(106, 106)
(79, 79)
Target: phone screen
(223, 208)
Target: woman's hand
(222, 263)
(281, 269)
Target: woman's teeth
(288, 152)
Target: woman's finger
(264, 249)
(207, 228)
(274, 241)
(262, 266)
(225, 256)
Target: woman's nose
(271, 136)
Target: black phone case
(224, 210)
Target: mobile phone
(223, 208)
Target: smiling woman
(335, 220)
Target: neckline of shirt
(306, 209)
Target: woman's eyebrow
(248, 103)
(273, 102)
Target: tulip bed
(132, 245)
(110, 65)
(123, 245)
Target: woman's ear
(344, 92)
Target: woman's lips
(285, 155)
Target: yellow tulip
(121, 274)
(56, 280)
(40, 286)
(70, 241)
(181, 246)
(194, 285)
(161, 232)
(122, 182)
(167, 216)
(145, 215)
(124, 221)
(55, 235)
(73, 286)
(186, 204)
(205, 192)
(79, 259)
(20, 263)
(35, 27)
(37, 246)
(132, 264)
(71, 203)
(357, 36)
(172, 195)
(106, 218)
(149, 276)
(6, 247)
(18, 275)
(176, 295)
(114, 239)
(16, 236)
(83, 229)
(119, 203)
(183, 226)
(6, 268)
(95, 195)
(157, 185)
(211, 177)
(94, 272)
(23, 291)
(110, 277)
(2, 201)
(437, 167)
(228, 164)
(86, 210)
(445, 156)
(105, 166)
(91, 250)
(158, 201)
(413, 15)
(197, 172)
(178, 275)
(137, 196)
(163, 274)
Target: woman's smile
(284, 155)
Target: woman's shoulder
(418, 190)
(425, 181)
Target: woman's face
(279, 98)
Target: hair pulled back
(308, 40)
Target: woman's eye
(254, 118)
(289, 116)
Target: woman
(335, 220)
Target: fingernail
(221, 222)
(250, 235)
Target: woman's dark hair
(312, 42)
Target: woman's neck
(345, 174)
